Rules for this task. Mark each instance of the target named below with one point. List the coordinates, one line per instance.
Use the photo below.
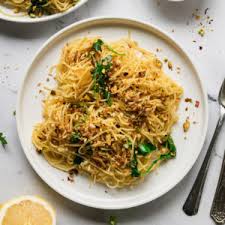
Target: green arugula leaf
(114, 51)
(78, 160)
(146, 148)
(37, 7)
(112, 220)
(169, 143)
(100, 77)
(134, 166)
(107, 97)
(75, 138)
(3, 140)
(97, 46)
(89, 149)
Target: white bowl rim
(204, 131)
(28, 20)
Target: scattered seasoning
(112, 220)
(3, 140)
(70, 179)
(14, 112)
(165, 60)
(202, 21)
(47, 80)
(197, 17)
(188, 100)
(206, 10)
(186, 125)
(186, 109)
(52, 92)
(170, 65)
(200, 47)
(210, 21)
(73, 172)
(201, 32)
(197, 103)
(178, 69)
(71, 175)
(172, 30)
(158, 63)
(158, 50)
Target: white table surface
(19, 42)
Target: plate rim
(27, 20)
(205, 111)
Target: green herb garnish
(112, 220)
(114, 51)
(37, 8)
(100, 77)
(146, 148)
(89, 149)
(134, 166)
(97, 46)
(75, 138)
(78, 160)
(3, 140)
(169, 144)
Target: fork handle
(218, 206)
(193, 200)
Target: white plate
(169, 174)
(8, 14)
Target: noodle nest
(38, 8)
(111, 114)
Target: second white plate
(188, 145)
(8, 14)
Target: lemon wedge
(27, 210)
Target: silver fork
(191, 205)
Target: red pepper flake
(197, 103)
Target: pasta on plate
(38, 8)
(111, 114)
